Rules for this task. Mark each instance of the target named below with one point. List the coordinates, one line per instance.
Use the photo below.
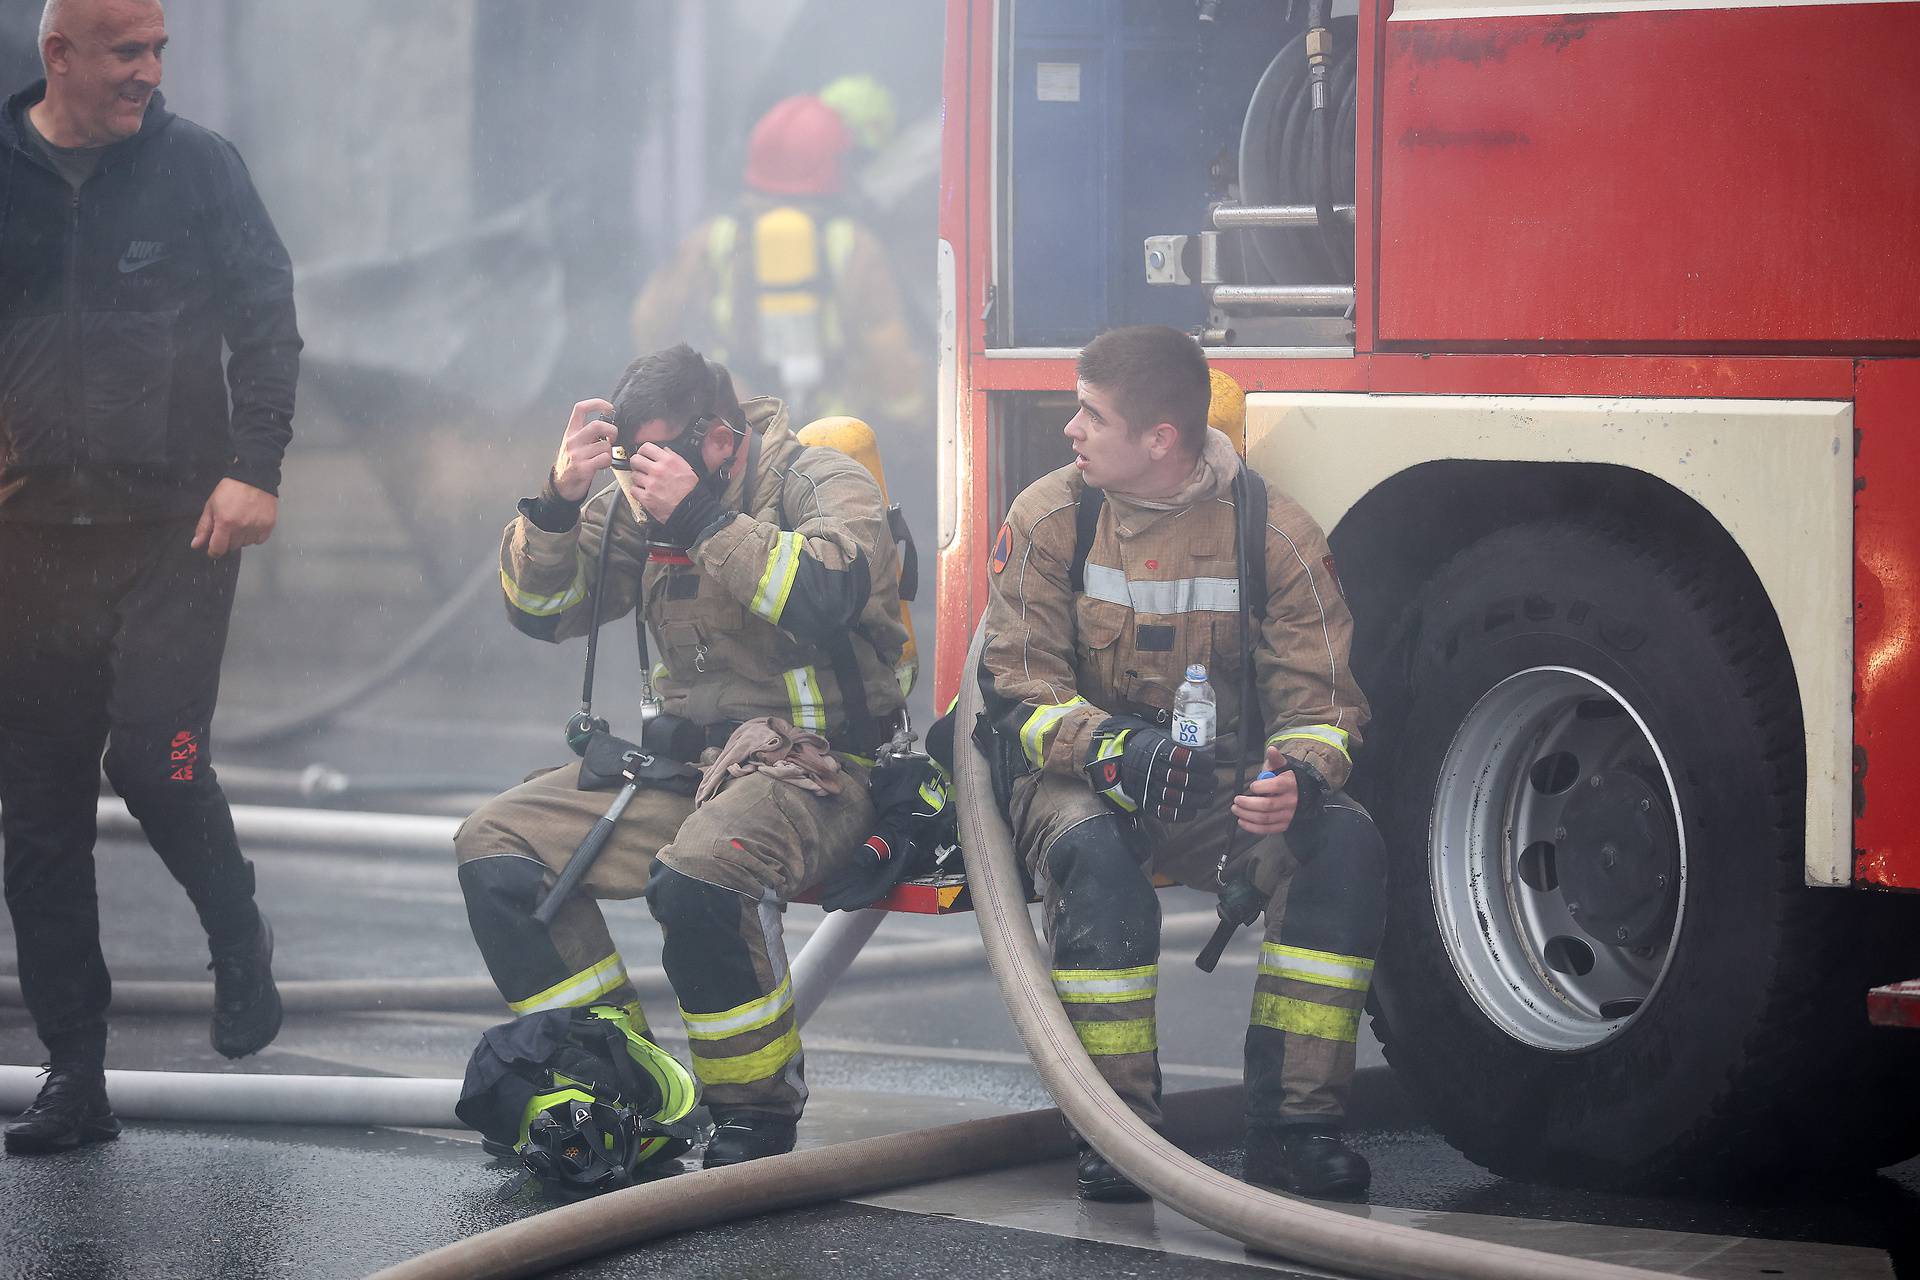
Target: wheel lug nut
(1573, 908)
(1621, 934)
(1646, 806)
(1595, 781)
(1559, 833)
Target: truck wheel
(1603, 965)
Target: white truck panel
(1777, 474)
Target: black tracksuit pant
(110, 637)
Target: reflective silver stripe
(1117, 986)
(1044, 718)
(776, 582)
(1339, 739)
(750, 1016)
(803, 697)
(1171, 595)
(1321, 968)
(547, 606)
(581, 988)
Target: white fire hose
(1278, 1224)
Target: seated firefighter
(1111, 576)
(767, 572)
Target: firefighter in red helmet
(788, 289)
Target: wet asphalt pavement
(252, 1201)
(888, 1050)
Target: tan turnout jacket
(740, 625)
(1162, 591)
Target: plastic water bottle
(1194, 715)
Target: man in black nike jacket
(133, 468)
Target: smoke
(474, 191)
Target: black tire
(1751, 1059)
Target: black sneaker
(1099, 1180)
(1306, 1159)
(71, 1110)
(246, 1004)
(740, 1136)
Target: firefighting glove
(698, 514)
(1313, 789)
(914, 817)
(1138, 769)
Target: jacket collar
(1212, 477)
(13, 131)
(766, 418)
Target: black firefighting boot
(71, 1110)
(246, 1004)
(1307, 1159)
(740, 1136)
(1099, 1180)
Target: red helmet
(795, 150)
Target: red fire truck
(1590, 331)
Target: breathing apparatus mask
(689, 445)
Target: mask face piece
(688, 445)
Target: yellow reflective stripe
(1104, 1039)
(1322, 968)
(722, 234)
(803, 698)
(547, 606)
(576, 989)
(1338, 739)
(840, 241)
(748, 1067)
(1303, 1017)
(776, 581)
(1111, 749)
(741, 1019)
(1106, 986)
(1033, 733)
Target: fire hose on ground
(1262, 1220)
(1265, 1221)
(332, 702)
(819, 964)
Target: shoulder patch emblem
(1002, 549)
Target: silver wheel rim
(1557, 856)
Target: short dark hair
(677, 385)
(1156, 374)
